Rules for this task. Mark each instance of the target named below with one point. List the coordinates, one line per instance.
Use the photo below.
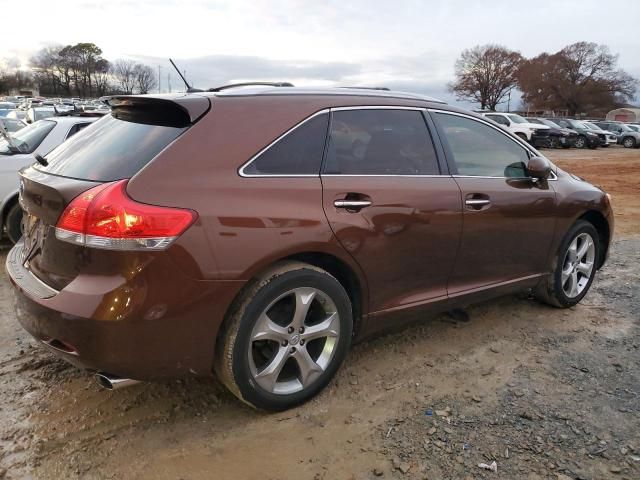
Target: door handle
(477, 202)
(352, 204)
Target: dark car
(257, 232)
(586, 138)
(627, 136)
(558, 136)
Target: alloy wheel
(578, 265)
(294, 340)
(628, 142)
(581, 142)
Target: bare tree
(485, 74)
(145, 78)
(124, 73)
(582, 77)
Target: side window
(499, 119)
(480, 150)
(563, 124)
(380, 142)
(297, 153)
(76, 128)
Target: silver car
(20, 149)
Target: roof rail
(250, 84)
(386, 89)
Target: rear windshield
(109, 149)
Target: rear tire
(13, 223)
(284, 337)
(573, 267)
(581, 142)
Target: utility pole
(159, 80)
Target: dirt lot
(547, 394)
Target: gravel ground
(545, 393)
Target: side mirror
(539, 168)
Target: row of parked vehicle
(17, 112)
(558, 132)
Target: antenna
(190, 89)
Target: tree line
(80, 70)
(580, 78)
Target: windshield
(516, 118)
(28, 138)
(551, 124)
(591, 126)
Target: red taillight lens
(105, 217)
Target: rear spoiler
(174, 111)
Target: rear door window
(299, 152)
(380, 142)
(109, 149)
(480, 150)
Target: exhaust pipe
(111, 382)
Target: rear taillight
(106, 217)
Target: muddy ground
(545, 393)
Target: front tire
(629, 142)
(574, 267)
(13, 223)
(285, 337)
(581, 142)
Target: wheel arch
(600, 223)
(347, 274)
(8, 202)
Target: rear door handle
(476, 202)
(352, 204)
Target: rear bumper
(130, 328)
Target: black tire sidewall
(579, 228)
(12, 223)
(252, 392)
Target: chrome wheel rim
(580, 142)
(294, 340)
(578, 265)
(628, 143)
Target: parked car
(635, 128)
(12, 125)
(17, 115)
(606, 137)
(558, 136)
(536, 134)
(626, 135)
(5, 111)
(39, 113)
(159, 244)
(20, 150)
(586, 138)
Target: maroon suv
(255, 232)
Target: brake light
(106, 217)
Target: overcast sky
(410, 44)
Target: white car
(19, 150)
(520, 126)
(606, 137)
